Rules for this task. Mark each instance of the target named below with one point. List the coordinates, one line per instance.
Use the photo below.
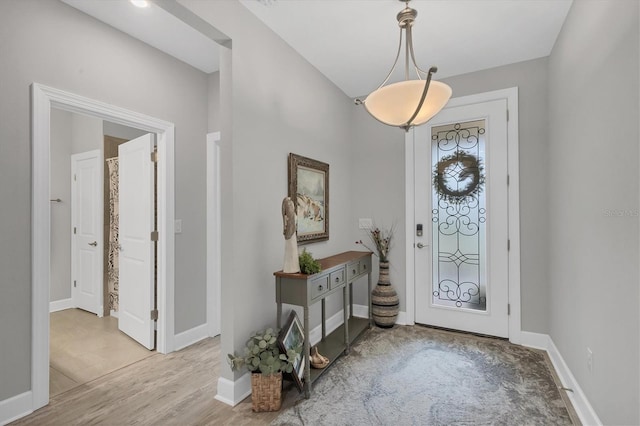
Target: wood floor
(84, 347)
(178, 388)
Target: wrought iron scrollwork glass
(459, 215)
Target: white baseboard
(232, 393)
(61, 305)
(113, 313)
(189, 337)
(578, 399)
(535, 340)
(333, 322)
(402, 319)
(362, 311)
(16, 407)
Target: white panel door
(86, 219)
(136, 278)
(461, 204)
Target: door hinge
(154, 157)
(507, 115)
(154, 235)
(74, 177)
(75, 284)
(154, 315)
(74, 229)
(508, 179)
(508, 245)
(508, 308)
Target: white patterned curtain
(112, 262)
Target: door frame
(213, 235)
(511, 95)
(43, 98)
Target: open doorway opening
(43, 100)
(87, 337)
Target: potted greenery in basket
(263, 359)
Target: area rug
(425, 376)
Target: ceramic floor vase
(384, 300)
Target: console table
(338, 274)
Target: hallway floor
(84, 347)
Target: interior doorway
(43, 100)
(87, 340)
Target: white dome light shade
(396, 103)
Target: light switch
(178, 226)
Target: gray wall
(61, 135)
(378, 193)
(593, 203)
(288, 106)
(531, 79)
(70, 134)
(120, 131)
(86, 133)
(40, 43)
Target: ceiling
(354, 42)
(156, 27)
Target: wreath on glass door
(458, 176)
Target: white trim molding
(232, 393)
(578, 399)
(213, 234)
(511, 96)
(16, 407)
(44, 98)
(362, 311)
(191, 336)
(61, 305)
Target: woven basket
(266, 392)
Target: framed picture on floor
(292, 337)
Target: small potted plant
(308, 265)
(263, 359)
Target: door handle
(420, 245)
(94, 244)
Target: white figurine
(289, 219)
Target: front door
(461, 215)
(136, 224)
(86, 215)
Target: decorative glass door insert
(459, 215)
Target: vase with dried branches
(385, 303)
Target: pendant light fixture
(407, 103)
